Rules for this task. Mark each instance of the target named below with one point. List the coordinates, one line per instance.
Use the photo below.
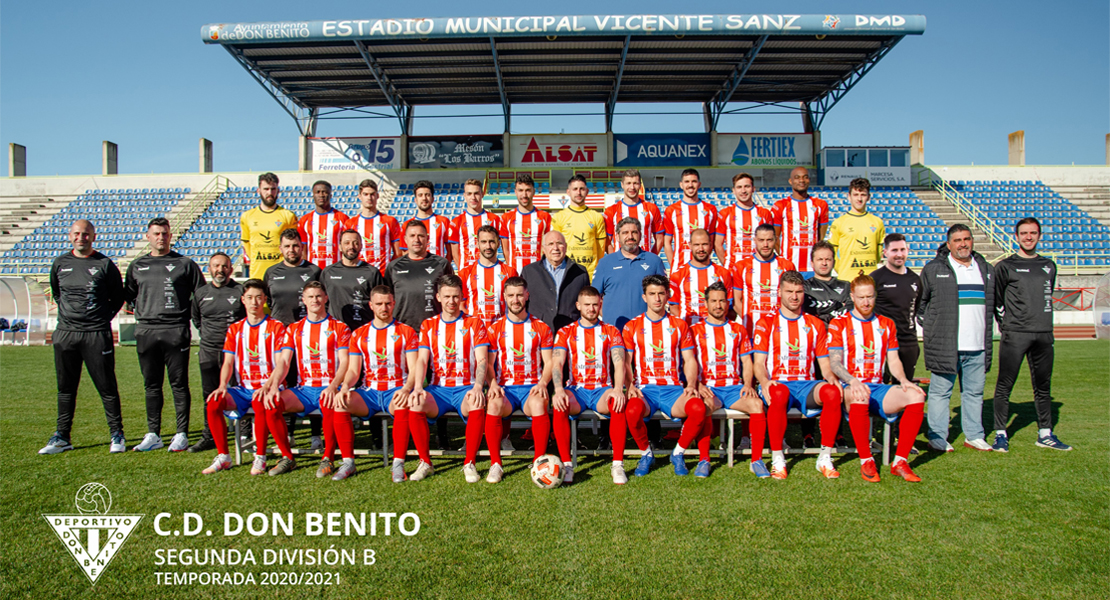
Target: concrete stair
(951, 215)
(1095, 200)
(20, 216)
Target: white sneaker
(56, 445)
(151, 441)
(619, 477)
(317, 445)
(507, 445)
(423, 470)
(471, 473)
(568, 473)
(397, 473)
(179, 443)
(222, 463)
(941, 445)
(258, 467)
(979, 444)
(494, 475)
(119, 444)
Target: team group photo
(655, 365)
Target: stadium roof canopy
(339, 69)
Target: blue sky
(73, 74)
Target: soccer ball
(547, 472)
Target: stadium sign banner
(766, 150)
(661, 150)
(562, 25)
(842, 176)
(559, 150)
(355, 154)
(456, 153)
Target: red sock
(275, 418)
(561, 423)
(541, 432)
(860, 424)
(261, 429)
(618, 431)
(494, 428)
(418, 428)
(705, 439)
(217, 425)
(344, 434)
(400, 433)
(634, 411)
(327, 426)
(757, 426)
(907, 429)
(831, 413)
(776, 415)
(691, 426)
(475, 424)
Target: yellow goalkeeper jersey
(859, 243)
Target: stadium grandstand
(797, 64)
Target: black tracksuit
(162, 289)
(89, 293)
(214, 310)
(1023, 301)
(896, 299)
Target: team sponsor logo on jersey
(93, 537)
(657, 350)
(794, 349)
(143, 269)
(720, 352)
(449, 351)
(869, 350)
(266, 235)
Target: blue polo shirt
(620, 280)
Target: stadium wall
(1049, 175)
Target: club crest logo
(93, 270)
(93, 537)
(170, 268)
(830, 22)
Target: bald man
(88, 290)
(553, 284)
(800, 221)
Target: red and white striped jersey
(656, 348)
(439, 228)
(524, 232)
(719, 348)
(452, 344)
(799, 220)
(865, 344)
(316, 346)
(378, 234)
(790, 347)
(647, 213)
(384, 354)
(482, 288)
(320, 233)
(516, 348)
(688, 289)
(736, 225)
(255, 348)
(464, 232)
(680, 220)
(588, 350)
(758, 284)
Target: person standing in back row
(1024, 283)
(260, 227)
(161, 284)
(800, 222)
(88, 290)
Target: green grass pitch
(1031, 524)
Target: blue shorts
(727, 394)
(448, 399)
(242, 398)
(588, 399)
(377, 400)
(875, 403)
(309, 397)
(799, 394)
(661, 398)
(517, 395)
